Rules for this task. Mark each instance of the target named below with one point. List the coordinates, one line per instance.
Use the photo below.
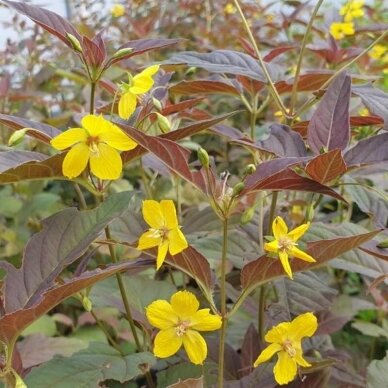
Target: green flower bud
(383, 244)
(250, 169)
(87, 303)
(122, 52)
(17, 137)
(238, 188)
(164, 123)
(203, 157)
(75, 44)
(157, 103)
(248, 215)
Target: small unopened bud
(203, 157)
(310, 213)
(383, 244)
(238, 188)
(75, 44)
(87, 303)
(17, 137)
(164, 123)
(248, 215)
(122, 52)
(250, 169)
(157, 103)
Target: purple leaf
(374, 99)
(12, 159)
(329, 127)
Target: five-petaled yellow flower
(285, 340)
(179, 322)
(97, 142)
(139, 84)
(352, 10)
(285, 243)
(164, 231)
(340, 30)
(117, 10)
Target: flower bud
(383, 244)
(248, 215)
(157, 103)
(122, 52)
(87, 303)
(238, 188)
(164, 123)
(17, 137)
(250, 169)
(75, 44)
(203, 157)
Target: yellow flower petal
(300, 360)
(177, 241)
(283, 256)
(267, 353)
(127, 105)
(285, 368)
(148, 240)
(167, 343)
(279, 333)
(95, 125)
(296, 252)
(185, 304)
(195, 346)
(106, 164)
(279, 228)
(143, 81)
(75, 160)
(272, 246)
(116, 138)
(152, 214)
(169, 213)
(162, 252)
(304, 325)
(69, 138)
(202, 320)
(161, 315)
(298, 232)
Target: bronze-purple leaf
(329, 126)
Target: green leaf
(44, 325)
(371, 329)
(88, 368)
(377, 373)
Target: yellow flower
(379, 52)
(340, 30)
(165, 232)
(96, 142)
(285, 340)
(179, 322)
(285, 243)
(117, 10)
(230, 9)
(352, 10)
(139, 84)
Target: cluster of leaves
(318, 142)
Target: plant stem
(313, 99)
(123, 291)
(92, 96)
(221, 348)
(272, 211)
(260, 320)
(81, 199)
(261, 219)
(253, 117)
(270, 84)
(299, 63)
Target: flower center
(93, 142)
(289, 349)
(286, 243)
(160, 233)
(182, 327)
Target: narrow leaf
(203, 87)
(329, 126)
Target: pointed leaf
(250, 349)
(40, 131)
(11, 325)
(64, 238)
(326, 167)
(50, 21)
(368, 151)
(329, 126)
(89, 367)
(203, 87)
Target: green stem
(221, 349)
(313, 99)
(300, 58)
(253, 117)
(92, 96)
(270, 84)
(261, 220)
(144, 179)
(123, 291)
(260, 321)
(80, 197)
